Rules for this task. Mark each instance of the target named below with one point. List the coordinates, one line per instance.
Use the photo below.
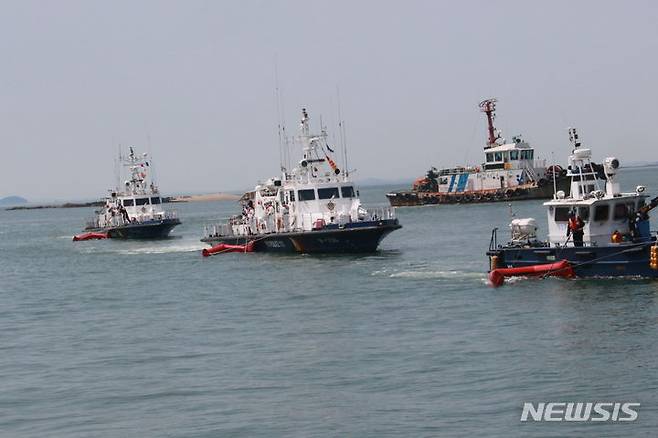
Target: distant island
(12, 200)
(181, 198)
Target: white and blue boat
(616, 239)
(134, 210)
(511, 171)
(312, 208)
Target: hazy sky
(78, 78)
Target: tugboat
(135, 211)
(510, 172)
(611, 235)
(314, 208)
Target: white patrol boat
(314, 208)
(510, 172)
(616, 240)
(133, 211)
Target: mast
(488, 107)
(341, 135)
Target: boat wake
(432, 274)
(140, 248)
(164, 248)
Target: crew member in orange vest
(576, 228)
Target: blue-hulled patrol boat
(133, 211)
(313, 208)
(616, 240)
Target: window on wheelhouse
(291, 195)
(141, 201)
(127, 202)
(306, 195)
(498, 156)
(155, 200)
(490, 157)
(527, 154)
(601, 213)
(583, 212)
(620, 212)
(562, 214)
(347, 191)
(514, 155)
(327, 193)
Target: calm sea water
(134, 339)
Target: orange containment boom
(225, 247)
(558, 269)
(89, 236)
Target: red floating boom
(225, 247)
(89, 236)
(559, 269)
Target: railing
(493, 243)
(118, 220)
(285, 223)
(379, 213)
(214, 230)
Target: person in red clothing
(576, 229)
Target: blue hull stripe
(461, 185)
(452, 183)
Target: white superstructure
(597, 198)
(313, 195)
(137, 201)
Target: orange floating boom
(89, 236)
(559, 269)
(222, 248)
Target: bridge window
(327, 193)
(498, 156)
(490, 157)
(601, 213)
(562, 214)
(347, 191)
(514, 155)
(583, 212)
(527, 154)
(128, 202)
(141, 201)
(620, 212)
(306, 195)
(155, 200)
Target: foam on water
(164, 249)
(430, 274)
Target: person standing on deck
(576, 227)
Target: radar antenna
(573, 138)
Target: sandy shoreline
(205, 198)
